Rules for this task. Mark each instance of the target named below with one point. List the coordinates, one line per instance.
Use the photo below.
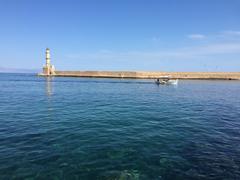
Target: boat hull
(168, 82)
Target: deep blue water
(87, 128)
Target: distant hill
(16, 70)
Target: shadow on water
(104, 81)
(93, 80)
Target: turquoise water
(82, 128)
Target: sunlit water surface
(82, 128)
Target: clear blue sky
(157, 35)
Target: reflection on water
(49, 93)
(49, 88)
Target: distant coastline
(16, 70)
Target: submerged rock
(129, 175)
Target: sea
(118, 129)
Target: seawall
(149, 75)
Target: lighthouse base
(48, 71)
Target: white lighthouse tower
(48, 57)
(48, 69)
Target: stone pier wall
(150, 75)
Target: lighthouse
(48, 69)
(48, 57)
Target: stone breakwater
(149, 75)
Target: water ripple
(86, 128)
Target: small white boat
(166, 81)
